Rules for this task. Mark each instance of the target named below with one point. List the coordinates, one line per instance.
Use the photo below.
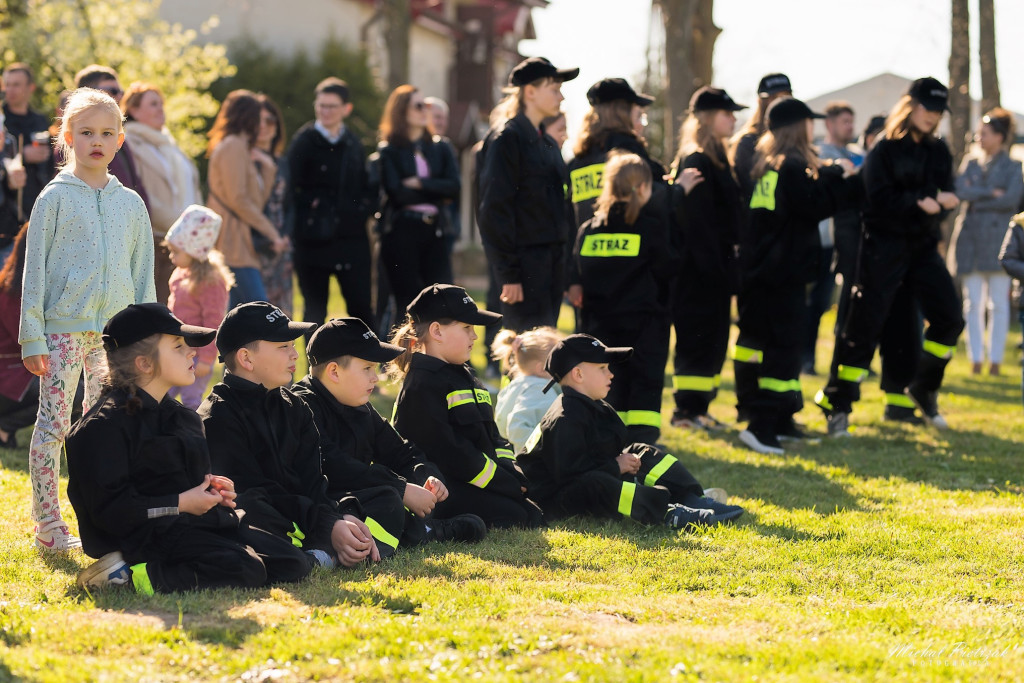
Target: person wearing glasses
(418, 175)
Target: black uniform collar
(237, 383)
(317, 387)
(597, 405)
(532, 134)
(422, 361)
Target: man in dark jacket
(24, 123)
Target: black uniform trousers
(767, 355)
(638, 382)
(497, 511)
(415, 255)
(819, 300)
(353, 273)
(645, 497)
(886, 264)
(388, 520)
(701, 318)
(199, 558)
(543, 274)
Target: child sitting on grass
(522, 403)
(140, 479)
(579, 461)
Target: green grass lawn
(896, 554)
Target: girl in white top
(522, 402)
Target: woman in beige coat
(162, 166)
(239, 191)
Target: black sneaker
(724, 512)
(902, 414)
(789, 430)
(927, 402)
(683, 517)
(465, 528)
(762, 442)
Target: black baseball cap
(773, 83)
(139, 321)
(448, 302)
(787, 111)
(349, 337)
(713, 99)
(257, 321)
(932, 94)
(612, 89)
(536, 68)
(580, 348)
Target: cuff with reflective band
(504, 453)
(778, 385)
(642, 418)
(822, 401)
(717, 381)
(693, 383)
(140, 579)
(486, 474)
(296, 535)
(745, 354)
(655, 474)
(380, 533)
(848, 373)
(626, 498)
(458, 398)
(938, 350)
(898, 400)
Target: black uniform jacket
(126, 471)
(710, 226)
(743, 163)
(329, 190)
(359, 449)
(446, 411)
(624, 269)
(398, 162)
(523, 187)
(896, 174)
(267, 443)
(780, 244)
(577, 435)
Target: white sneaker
(54, 537)
(764, 444)
(109, 570)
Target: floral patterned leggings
(69, 354)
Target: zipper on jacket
(103, 252)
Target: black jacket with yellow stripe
(624, 268)
(445, 410)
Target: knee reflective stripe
(380, 533)
(745, 354)
(140, 579)
(505, 453)
(848, 373)
(643, 418)
(534, 439)
(655, 474)
(297, 536)
(458, 398)
(693, 383)
(821, 400)
(779, 385)
(938, 350)
(898, 400)
(626, 498)
(717, 381)
(486, 474)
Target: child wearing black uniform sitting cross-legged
(360, 450)
(579, 461)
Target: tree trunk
(959, 80)
(705, 33)
(987, 55)
(690, 35)
(397, 23)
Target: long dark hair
(14, 266)
(269, 105)
(238, 115)
(394, 122)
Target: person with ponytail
(779, 251)
(522, 402)
(149, 509)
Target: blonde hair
(697, 134)
(756, 124)
(79, 102)
(624, 173)
(897, 123)
(408, 337)
(514, 101)
(600, 121)
(514, 350)
(123, 373)
(775, 146)
(212, 270)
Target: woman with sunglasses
(418, 175)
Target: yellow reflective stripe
(533, 440)
(692, 383)
(140, 579)
(764, 191)
(899, 400)
(745, 354)
(626, 498)
(486, 474)
(504, 453)
(611, 244)
(380, 533)
(848, 373)
(586, 182)
(821, 400)
(646, 418)
(482, 396)
(297, 536)
(938, 350)
(458, 398)
(655, 474)
(717, 381)
(623, 415)
(779, 385)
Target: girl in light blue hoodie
(89, 254)
(522, 402)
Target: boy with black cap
(524, 198)
(445, 410)
(580, 462)
(148, 506)
(361, 451)
(263, 436)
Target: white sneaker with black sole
(765, 443)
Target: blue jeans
(248, 287)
